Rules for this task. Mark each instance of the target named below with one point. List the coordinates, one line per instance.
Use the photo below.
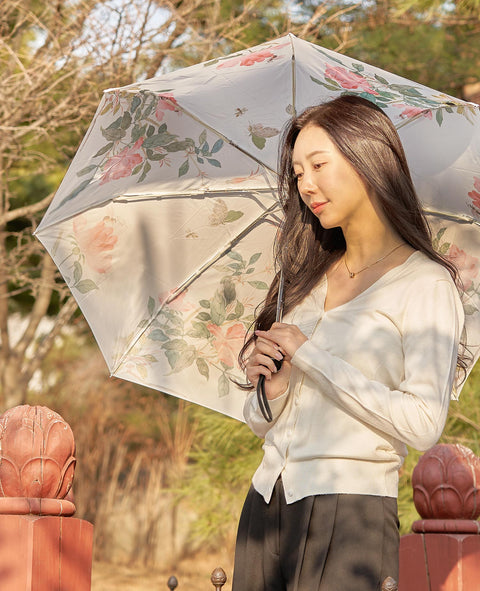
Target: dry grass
(132, 447)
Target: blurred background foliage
(164, 465)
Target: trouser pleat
(320, 543)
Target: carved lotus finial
(37, 461)
(446, 483)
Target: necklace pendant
(352, 275)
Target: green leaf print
(258, 141)
(223, 386)
(184, 168)
(202, 367)
(85, 285)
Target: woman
(369, 344)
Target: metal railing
(219, 578)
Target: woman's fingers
(276, 381)
(254, 373)
(261, 360)
(287, 337)
(268, 347)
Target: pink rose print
(347, 79)
(166, 102)
(475, 194)
(229, 344)
(123, 163)
(465, 263)
(259, 56)
(410, 112)
(255, 57)
(248, 60)
(96, 242)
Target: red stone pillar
(443, 553)
(42, 547)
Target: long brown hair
(304, 250)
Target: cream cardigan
(376, 374)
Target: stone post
(42, 547)
(443, 553)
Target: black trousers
(320, 543)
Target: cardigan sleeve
(253, 415)
(416, 412)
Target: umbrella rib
(294, 80)
(456, 217)
(178, 106)
(181, 288)
(433, 108)
(194, 194)
(153, 196)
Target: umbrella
(164, 223)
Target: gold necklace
(353, 274)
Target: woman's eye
(318, 165)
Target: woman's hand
(288, 337)
(280, 342)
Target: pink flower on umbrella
(227, 344)
(258, 56)
(96, 242)
(347, 79)
(475, 194)
(123, 163)
(465, 263)
(410, 112)
(249, 59)
(166, 102)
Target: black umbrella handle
(262, 397)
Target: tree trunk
(13, 383)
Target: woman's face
(328, 184)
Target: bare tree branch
(26, 210)
(62, 319)
(44, 288)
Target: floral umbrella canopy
(163, 225)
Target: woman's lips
(318, 206)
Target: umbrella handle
(262, 397)
(262, 400)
